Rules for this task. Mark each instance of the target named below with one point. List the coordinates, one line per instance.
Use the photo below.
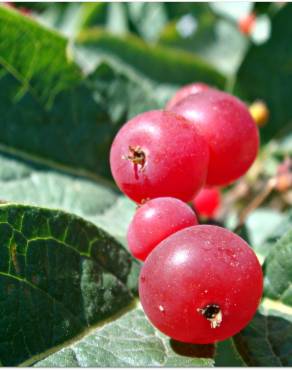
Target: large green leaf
(227, 354)
(158, 64)
(127, 342)
(267, 341)
(41, 185)
(26, 54)
(24, 182)
(278, 270)
(59, 275)
(70, 18)
(268, 338)
(266, 74)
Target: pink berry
(201, 285)
(247, 23)
(185, 91)
(154, 221)
(207, 202)
(227, 126)
(158, 154)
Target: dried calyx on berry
(136, 156)
(213, 313)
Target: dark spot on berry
(213, 313)
(210, 311)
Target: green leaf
(26, 54)
(46, 186)
(117, 20)
(129, 341)
(217, 41)
(278, 271)
(24, 182)
(148, 18)
(94, 14)
(70, 18)
(227, 354)
(176, 10)
(156, 63)
(261, 224)
(59, 275)
(267, 341)
(268, 338)
(277, 232)
(269, 78)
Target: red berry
(156, 220)
(185, 91)
(227, 126)
(247, 23)
(207, 202)
(201, 285)
(22, 10)
(159, 153)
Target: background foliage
(70, 75)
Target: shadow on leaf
(192, 350)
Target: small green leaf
(59, 275)
(129, 341)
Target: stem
(256, 202)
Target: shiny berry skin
(159, 154)
(201, 285)
(156, 220)
(185, 91)
(207, 201)
(227, 126)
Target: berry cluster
(199, 283)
